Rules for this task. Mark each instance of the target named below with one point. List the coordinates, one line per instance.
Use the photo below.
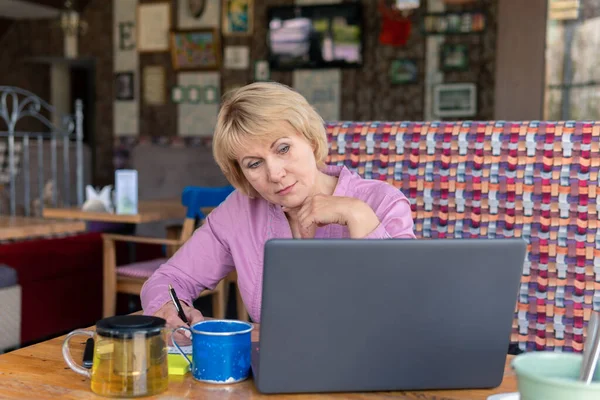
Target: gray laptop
(378, 315)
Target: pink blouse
(234, 234)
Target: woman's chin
(290, 202)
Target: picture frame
(262, 71)
(178, 94)
(153, 26)
(237, 17)
(404, 71)
(454, 57)
(195, 94)
(455, 100)
(124, 86)
(195, 49)
(453, 23)
(154, 84)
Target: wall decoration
(454, 57)
(194, 94)
(236, 57)
(455, 100)
(126, 99)
(198, 49)
(196, 7)
(124, 86)
(262, 72)
(453, 23)
(396, 25)
(403, 71)
(154, 85)
(177, 95)
(199, 103)
(208, 18)
(153, 25)
(237, 17)
(321, 87)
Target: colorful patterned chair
(531, 179)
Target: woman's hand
(321, 210)
(169, 313)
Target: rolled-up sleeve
(202, 261)
(395, 218)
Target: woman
(271, 145)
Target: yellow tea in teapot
(130, 367)
(130, 356)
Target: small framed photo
(194, 50)
(454, 57)
(177, 94)
(404, 71)
(124, 86)
(152, 28)
(237, 17)
(455, 100)
(262, 72)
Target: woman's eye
(254, 164)
(284, 149)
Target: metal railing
(17, 104)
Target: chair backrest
(194, 198)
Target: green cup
(545, 375)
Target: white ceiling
(17, 9)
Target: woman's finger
(195, 316)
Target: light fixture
(70, 23)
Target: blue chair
(130, 278)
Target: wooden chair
(130, 278)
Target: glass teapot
(130, 356)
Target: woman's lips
(287, 190)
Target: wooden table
(28, 227)
(148, 211)
(40, 372)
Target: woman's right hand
(169, 313)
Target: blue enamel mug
(220, 350)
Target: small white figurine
(98, 201)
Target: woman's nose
(276, 172)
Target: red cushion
(61, 280)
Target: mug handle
(67, 352)
(177, 345)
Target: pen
(177, 304)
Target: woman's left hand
(320, 210)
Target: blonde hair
(250, 112)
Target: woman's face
(281, 168)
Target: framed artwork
(153, 25)
(198, 49)
(404, 71)
(262, 72)
(454, 57)
(236, 57)
(124, 86)
(449, 23)
(237, 17)
(154, 80)
(195, 94)
(455, 100)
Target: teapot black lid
(126, 326)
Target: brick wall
(366, 93)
